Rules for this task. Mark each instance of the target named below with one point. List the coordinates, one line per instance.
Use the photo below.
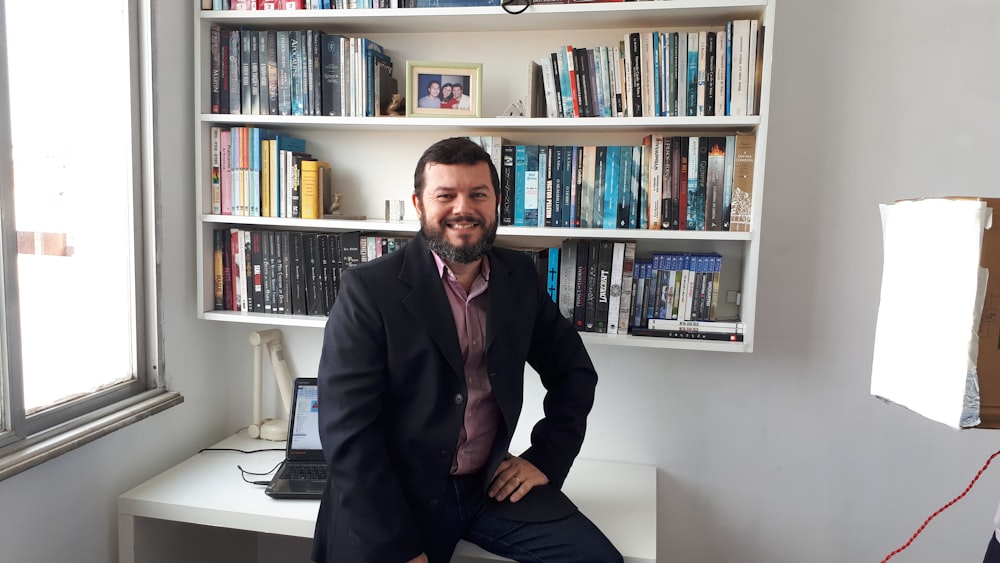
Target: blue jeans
(466, 515)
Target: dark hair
(456, 150)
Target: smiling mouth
(461, 225)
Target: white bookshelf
(373, 158)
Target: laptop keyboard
(300, 471)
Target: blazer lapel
(502, 299)
(428, 303)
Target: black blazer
(392, 395)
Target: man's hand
(422, 558)
(514, 478)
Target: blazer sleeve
(558, 355)
(352, 386)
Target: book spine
(715, 179)
(530, 186)
(567, 278)
(615, 286)
(272, 73)
(520, 167)
(245, 92)
(507, 184)
(627, 295)
(218, 274)
(552, 274)
(284, 73)
(254, 65)
(692, 74)
(592, 284)
(581, 292)
(743, 164)
(727, 182)
(215, 68)
(603, 280)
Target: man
(420, 388)
(461, 102)
(431, 100)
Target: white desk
(202, 510)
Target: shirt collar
(442, 267)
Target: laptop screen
(304, 427)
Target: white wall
(777, 456)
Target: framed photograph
(437, 89)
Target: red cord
(943, 508)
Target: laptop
(303, 473)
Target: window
(78, 343)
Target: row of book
(667, 182)
(602, 287)
(288, 273)
(363, 4)
(258, 172)
(712, 72)
(598, 284)
(297, 72)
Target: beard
(465, 254)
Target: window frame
(27, 440)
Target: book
(627, 295)
(310, 191)
(332, 74)
(272, 72)
(715, 182)
(520, 175)
(727, 182)
(567, 278)
(297, 274)
(741, 211)
(218, 249)
(581, 293)
(552, 269)
(283, 66)
(235, 50)
(603, 281)
(508, 182)
(740, 68)
(615, 286)
(710, 336)
(530, 201)
(215, 61)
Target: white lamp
(272, 428)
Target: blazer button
(459, 399)
(445, 455)
(434, 504)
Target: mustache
(463, 219)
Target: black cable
(241, 451)
(506, 5)
(244, 473)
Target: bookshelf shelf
(491, 125)
(372, 158)
(551, 17)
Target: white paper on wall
(931, 300)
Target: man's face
(433, 89)
(458, 210)
(456, 91)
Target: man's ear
(417, 205)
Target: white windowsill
(38, 449)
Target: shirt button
(459, 399)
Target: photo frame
(444, 89)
